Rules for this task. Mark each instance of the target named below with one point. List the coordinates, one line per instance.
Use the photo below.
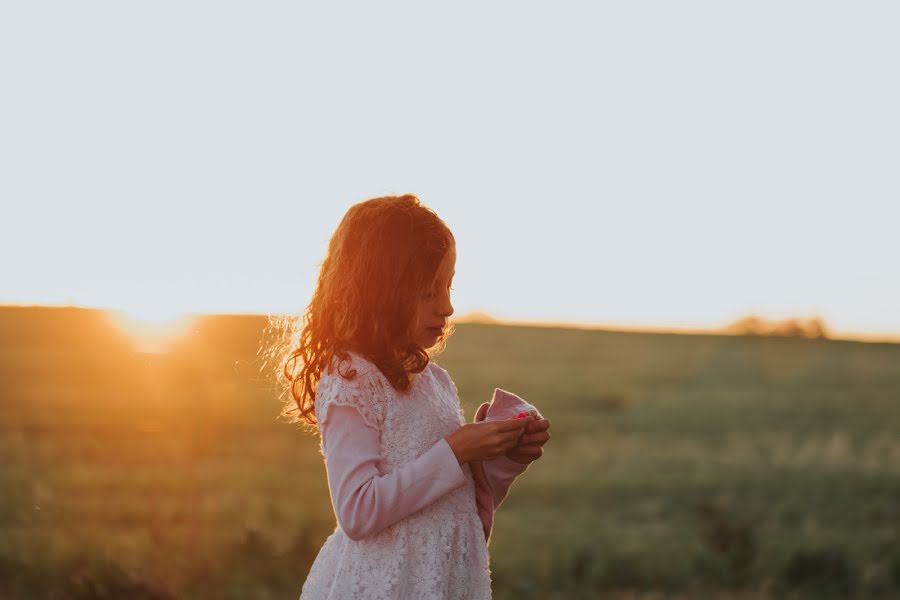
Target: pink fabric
(495, 476)
(366, 501)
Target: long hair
(383, 255)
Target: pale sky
(652, 163)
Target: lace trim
(445, 378)
(365, 392)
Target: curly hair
(383, 255)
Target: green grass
(680, 466)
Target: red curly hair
(383, 255)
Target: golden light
(151, 330)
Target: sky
(637, 163)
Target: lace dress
(419, 534)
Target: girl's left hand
(531, 442)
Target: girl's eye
(431, 294)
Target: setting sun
(151, 331)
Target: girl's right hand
(486, 439)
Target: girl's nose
(446, 307)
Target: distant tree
(791, 327)
(477, 316)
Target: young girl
(395, 442)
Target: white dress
(437, 552)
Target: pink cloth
(495, 476)
(367, 501)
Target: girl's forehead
(447, 268)
(451, 258)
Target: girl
(395, 442)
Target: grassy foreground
(680, 466)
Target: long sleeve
(366, 501)
(501, 472)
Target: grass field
(680, 466)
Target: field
(680, 466)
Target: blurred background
(676, 236)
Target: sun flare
(151, 331)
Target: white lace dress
(436, 552)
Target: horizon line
(486, 318)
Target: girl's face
(434, 308)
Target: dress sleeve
(364, 500)
(501, 472)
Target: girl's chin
(429, 338)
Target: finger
(511, 424)
(536, 438)
(541, 425)
(516, 440)
(516, 436)
(532, 451)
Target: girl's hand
(531, 443)
(486, 439)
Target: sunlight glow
(151, 331)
